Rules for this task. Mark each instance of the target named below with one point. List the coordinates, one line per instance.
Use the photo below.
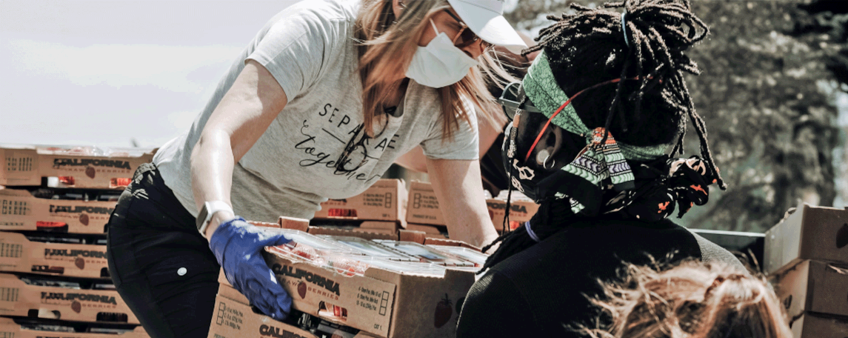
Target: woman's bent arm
(458, 187)
(242, 116)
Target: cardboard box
(77, 167)
(520, 211)
(423, 205)
(19, 254)
(383, 201)
(817, 233)
(21, 211)
(384, 303)
(381, 303)
(366, 302)
(10, 329)
(813, 326)
(430, 230)
(234, 318)
(813, 286)
(17, 298)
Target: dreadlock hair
(592, 46)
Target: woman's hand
(238, 245)
(458, 187)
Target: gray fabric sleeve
(463, 146)
(296, 47)
(711, 253)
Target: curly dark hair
(647, 42)
(589, 47)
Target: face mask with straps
(440, 63)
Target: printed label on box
(18, 254)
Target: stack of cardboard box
(423, 213)
(54, 206)
(379, 209)
(806, 256)
(521, 209)
(326, 303)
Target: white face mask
(440, 63)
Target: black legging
(161, 265)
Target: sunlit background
(135, 73)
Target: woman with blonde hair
(690, 300)
(321, 102)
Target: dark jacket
(540, 292)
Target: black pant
(161, 265)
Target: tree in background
(770, 73)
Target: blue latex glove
(237, 246)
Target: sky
(105, 73)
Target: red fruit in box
(443, 312)
(79, 262)
(76, 306)
(301, 289)
(90, 172)
(83, 219)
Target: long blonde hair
(387, 45)
(690, 300)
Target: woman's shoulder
(324, 11)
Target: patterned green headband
(541, 87)
(602, 157)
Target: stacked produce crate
(379, 209)
(806, 256)
(54, 205)
(521, 209)
(423, 213)
(356, 286)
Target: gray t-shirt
(310, 49)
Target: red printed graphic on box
(21, 211)
(19, 254)
(19, 298)
(77, 167)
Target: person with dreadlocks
(597, 124)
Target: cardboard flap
(450, 242)
(362, 233)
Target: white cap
(485, 18)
